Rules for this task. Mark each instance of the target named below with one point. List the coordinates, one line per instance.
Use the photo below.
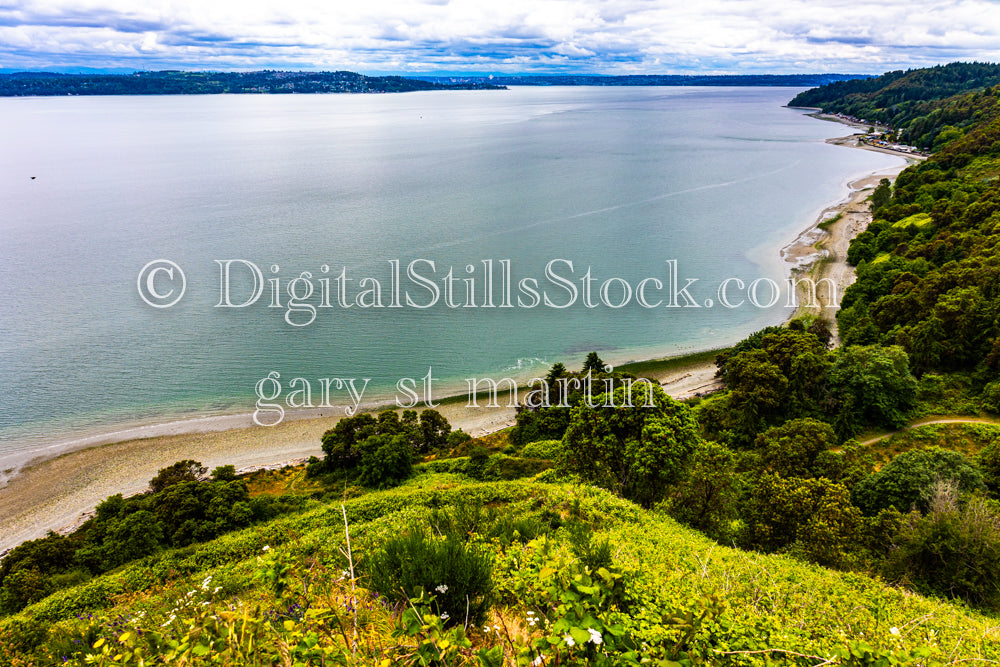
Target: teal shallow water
(616, 179)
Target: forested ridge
(173, 82)
(918, 102)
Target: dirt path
(927, 422)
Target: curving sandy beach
(57, 493)
(820, 252)
(54, 494)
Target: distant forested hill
(22, 84)
(898, 98)
(794, 80)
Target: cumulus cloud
(600, 36)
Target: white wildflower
(568, 638)
(442, 589)
(266, 548)
(894, 631)
(595, 636)
(445, 616)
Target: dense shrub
(907, 480)
(542, 424)
(182, 471)
(458, 574)
(991, 397)
(989, 463)
(386, 460)
(352, 445)
(953, 551)
(638, 452)
(469, 519)
(706, 497)
(872, 386)
(476, 466)
(542, 449)
(791, 450)
(813, 518)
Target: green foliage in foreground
(459, 576)
(282, 593)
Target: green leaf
(579, 635)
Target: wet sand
(820, 252)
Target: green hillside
(666, 592)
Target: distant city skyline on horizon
(521, 37)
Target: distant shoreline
(270, 82)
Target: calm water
(618, 179)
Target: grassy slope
(771, 601)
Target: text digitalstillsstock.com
(422, 284)
(273, 395)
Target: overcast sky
(500, 36)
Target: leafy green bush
(181, 471)
(575, 608)
(478, 458)
(791, 450)
(386, 460)
(226, 473)
(706, 497)
(872, 385)
(907, 480)
(345, 444)
(542, 449)
(468, 519)
(456, 465)
(813, 518)
(638, 452)
(542, 424)
(954, 551)
(989, 463)
(991, 397)
(594, 554)
(458, 574)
